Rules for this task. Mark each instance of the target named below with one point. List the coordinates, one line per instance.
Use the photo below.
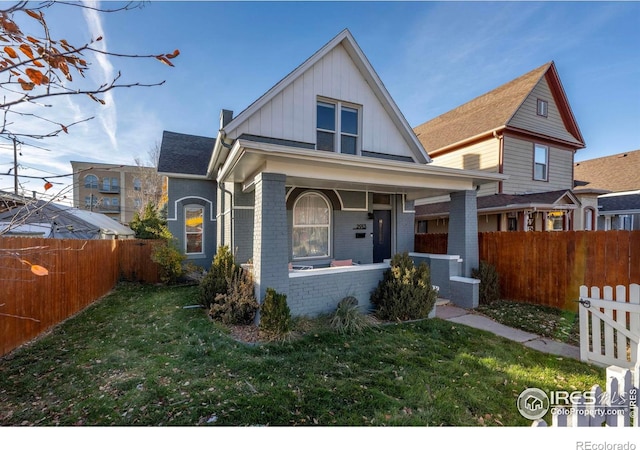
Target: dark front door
(381, 235)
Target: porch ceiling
(312, 168)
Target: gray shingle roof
(185, 153)
(619, 203)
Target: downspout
(500, 139)
(223, 136)
(231, 219)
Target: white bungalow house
(321, 170)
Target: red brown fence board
(80, 272)
(548, 268)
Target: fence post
(584, 325)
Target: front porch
(310, 208)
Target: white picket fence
(615, 407)
(609, 335)
(610, 325)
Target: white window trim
(185, 208)
(337, 120)
(328, 226)
(546, 162)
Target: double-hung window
(193, 228)
(337, 127)
(541, 162)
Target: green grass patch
(562, 326)
(138, 357)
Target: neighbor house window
(106, 184)
(311, 226)
(337, 127)
(543, 108)
(193, 228)
(555, 221)
(114, 184)
(137, 184)
(541, 162)
(91, 181)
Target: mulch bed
(249, 334)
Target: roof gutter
(466, 141)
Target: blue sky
(431, 56)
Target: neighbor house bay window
(337, 127)
(193, 225)
(311, 226)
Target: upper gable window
(541, 162)
(543, 108)
(337, 127)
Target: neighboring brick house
(115, 190)
(524, 129)
(322, 169)
(617, 178)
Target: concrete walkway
(468, 317)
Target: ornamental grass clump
(405, 292)
(348, 318)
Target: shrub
(150, 225)
(405, 292)
(170, 259)
(275, 316)
(489, 283)
(238, 306)
(216, 281)
(348, 319)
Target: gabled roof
(497, 202)
(615, 173)
(346, 39)
(493, 111)
(184, 154)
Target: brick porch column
(270, 249)
(463, 230)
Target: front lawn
(138, 357)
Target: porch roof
(545, 201)
(316, 169)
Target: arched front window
(91, 181)
(589, 219)
(311, 226)
(193, 229)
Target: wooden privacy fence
(610, 325)
(548, 268)
(79, 272)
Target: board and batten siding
(518, 164)
(526, 116)
(483, 155)
(291, 114)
